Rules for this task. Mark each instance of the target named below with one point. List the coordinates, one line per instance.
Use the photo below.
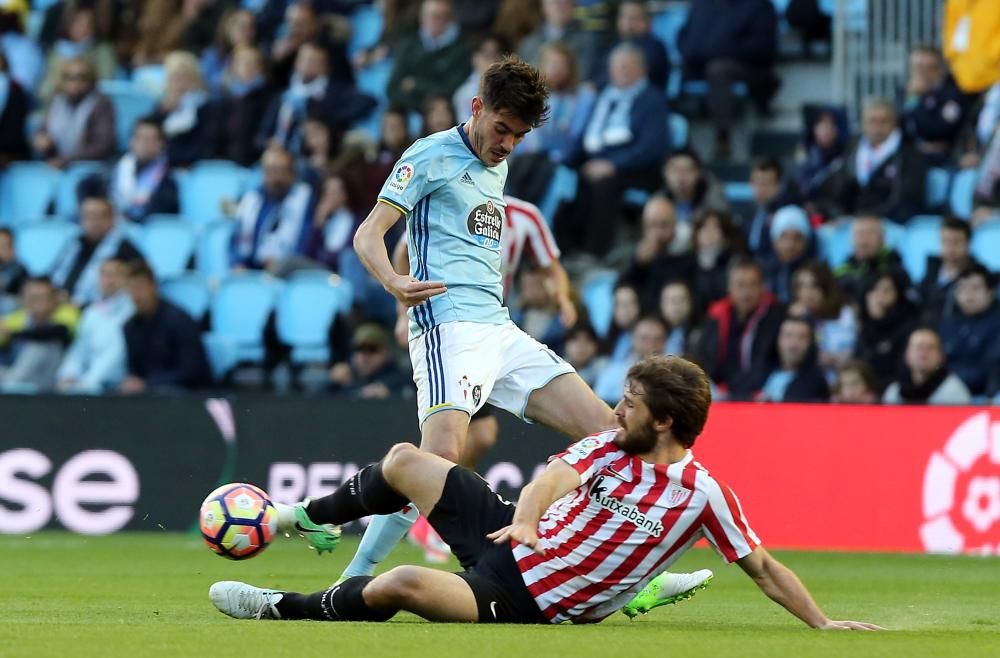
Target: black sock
(343, 602)
(364, 494)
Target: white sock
(382, 535)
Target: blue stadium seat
(738, 192)
(895, 235)
(678, 126)
(26, 189)
(986, 244)
(39, 244)
(375, 78)
(66, 199)
(213, 250)
(598, 296)
(923, 239)
(190, 291)
(938, 180)
(963, 186)
(203, 188)
(168, 245)
(131, 103)
(306, 308)
(366, 29)
(666, 26)
(222, 354)
(834, 242)
(240, 310)
(562, 188)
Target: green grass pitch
(146, 595)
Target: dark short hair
(675, 388)
(513, 86)
(744, 263)
(976, 269)
(685, 152)
(149, 121)
(582, 327)
(140, 269)
(865, 372)
(952, 223)
(767, 163)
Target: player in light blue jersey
(464, 348)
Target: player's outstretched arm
(782, 586)
(557, 480)
(369, 244)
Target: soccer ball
(238, 521)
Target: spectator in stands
(560, 26)
(740, 332)
(856, 384)
(716, 240)
(14, 103)
(245, 97)
(490, 49)
(437, 115)
(535, 309)
(552, 143)
(394, 138)
(274, 219)
(648, 338)
(79, 122)
(825, 144)
(625, 312)
(77, 268)
(582, 350)
(236, 30)
(432, 62)
(818, 298)
(679, 313)
(333, 225)
(302, 24)
(313, 93)
(884, 174)
(95, 362)
(886, 319)
(12, 273)
(22, 53)
(623, 145)
(969, 41)
(768, 196)
(933, 108)
(689, 186)
(661, 255)
(79, 40)
(936, 298)
(986, 197)
(870, 257)
(160, 29)
(792, 245)
(163, 344)
(372, 373)
(796, 377)
(633, 25)
(725, 41)
(316, 152)
(925, 379)
(190, 118)
(970, 336)
(34, 337)
(142, 183)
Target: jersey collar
(465, 138)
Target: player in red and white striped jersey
(604, 518)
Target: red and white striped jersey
(524, 232)
(627, 522)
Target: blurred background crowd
(180, 181)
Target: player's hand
(832, 625)
(522, 534)
(411, 292)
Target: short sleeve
(418, 172)
(590, 455)
(725, 525)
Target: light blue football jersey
(454, 216)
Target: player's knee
(395, 588)
(399, 458)
(483, 435)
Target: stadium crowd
(258, 133)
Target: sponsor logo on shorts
(477, 394)
(486, 224)
(598, 491)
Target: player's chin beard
(637, 441)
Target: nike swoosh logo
(493, 609)
(299, 528)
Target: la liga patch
(401, 177)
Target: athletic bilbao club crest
(961, 500)
(676, 494)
